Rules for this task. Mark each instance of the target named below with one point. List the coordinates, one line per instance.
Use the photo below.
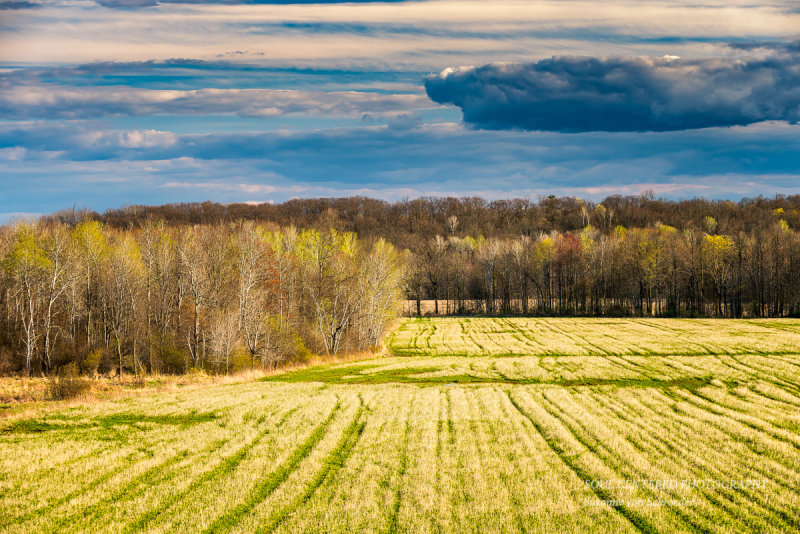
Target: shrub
(92, 361)
(7, 364)
(67, 383)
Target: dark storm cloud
(581, 94)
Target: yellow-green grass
(526, 336)
(581, 442)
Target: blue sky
(112, 102)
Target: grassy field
(477, 425)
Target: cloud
(14, 153)
(127, 4)
(19, 4)
(404, 121)
(146, 3)
(106, 117)
(112, 167)
(581, 94)
(28, 101)
(221, 73)
(136, 139)
(782, 46)
(423, 36)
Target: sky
(105, 103)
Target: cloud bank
(25, 101)
(327, 99)
(19, 4)
(149, 3)
(107, 167)
(625, 94)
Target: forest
(160, 299)
(224, 287)
(407, 223)
(658, 270)
(625, 255)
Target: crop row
(300, 457)
(555, 336)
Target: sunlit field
(594, 336)
(473, 425)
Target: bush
(138, 381)
(172, 359)
(7, 364)
(286, 346)
(67, 383)
(92, 361)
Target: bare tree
(27, 266)
(380, 283)
(252, 266)
(124, 276)
(329, 277)
(224, 336)
(59, 273)
(92, 246)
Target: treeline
(631, 255)
(408, 223)
(178, 287)
(158, 298)
(658, 270)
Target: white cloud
(15, 153)
(387, 33)
(126, 139)
(49, 101)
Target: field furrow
(533, 425)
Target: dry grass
(431, 443)
(22, 396)
(29, 395)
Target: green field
(475, 425)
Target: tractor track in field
(102, 479)
(755, 374)
(539, 347)
(470, 441)
(129, 462)
(394, 513)
(716, 408)
(638, 522)
(710, 498)
(700, 470)
(773, 398)
(494, 434)
(579, 341)
(333, 463)
(266, 486)
(691, 424)
(157, 474)
(582, 435)
(444, 425)
(775, 379)
(227, 465)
